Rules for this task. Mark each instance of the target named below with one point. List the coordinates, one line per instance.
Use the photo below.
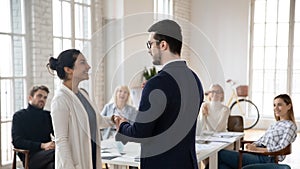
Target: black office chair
(267, 166)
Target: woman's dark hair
(287, 100)
(66, 58)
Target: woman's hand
(205, 110)
(118, 120)
(253, 147)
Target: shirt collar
(173, 60)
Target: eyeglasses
(149, 43)
(214, 92)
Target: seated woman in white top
(120, 106)
(214, 113)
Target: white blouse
(217, 118)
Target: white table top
(129, 156)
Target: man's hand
(118, 120)
(48, 146)
(143, 84)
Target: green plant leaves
(149, 73)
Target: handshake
(117, 120)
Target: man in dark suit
(166, 122)
(32, 129)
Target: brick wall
(182, 11)
(97, 54)
(40, 43)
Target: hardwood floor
(292, 160)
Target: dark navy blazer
(164, 146)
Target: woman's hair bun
(53, 63)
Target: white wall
(128, 35)
(225, 24)
(218, 40)
(138, 17)
(224, 54)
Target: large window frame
(72, 29)
(274, 65)
(13, 70)
(163, 9)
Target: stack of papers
(109, 156)
(227, 137)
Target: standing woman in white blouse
(76, 121)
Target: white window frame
(283, 76)
(85, 49)
(18, 96)
(163, 9)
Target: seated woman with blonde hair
(214, 113)
(120, 106)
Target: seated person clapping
(214, 113)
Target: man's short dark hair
(36, 88)
(169, 31)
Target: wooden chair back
(26, 162)
(285, 151)
(235, 123)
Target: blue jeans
(228, 159)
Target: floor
(292, 160)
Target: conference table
(120, 156)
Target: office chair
(235, 123)
(285, 151)
(26, 162)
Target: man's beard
(157, 61)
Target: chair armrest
(255, 152)
(21, 150)
(246, 141)
(25, 152)
(285, 151)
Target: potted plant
(149, 73)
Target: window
(274, 52)
(72, 27)
(163, 9)
(12, 69)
